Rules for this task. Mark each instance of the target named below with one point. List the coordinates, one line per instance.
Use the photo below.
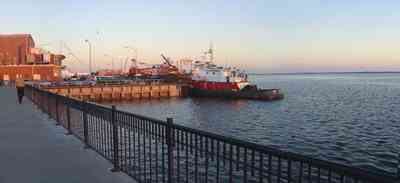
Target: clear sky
(258, 35)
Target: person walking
(20, 85)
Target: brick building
(20, 58)
(45, 72)
(15, 48)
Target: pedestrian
(20, 85)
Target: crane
(167, 60)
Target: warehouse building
(20, 58)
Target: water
(347, 118)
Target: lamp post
(112, 60)
(90, 55)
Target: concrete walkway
(34, 150)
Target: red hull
(204, 85)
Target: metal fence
(151, 150)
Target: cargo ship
(211, 80)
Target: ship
(211, 80)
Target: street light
(90, 55)
(112, 60)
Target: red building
(46, 72)
(20, 58)
(15, 48)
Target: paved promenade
(34, 150)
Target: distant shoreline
(311, 73)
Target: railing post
(68, 119)
(57, 116)
(170, 152)
(85, 126)
(398, 165)
(115, 141)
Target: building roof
(15, 35)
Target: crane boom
(166, 60)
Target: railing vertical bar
(126, 144)
(170, 149)
(252, 162)
(191, 143)
(156, 131)
(144, 149)
(218, 160)
(289, 170)
(212, 150)
(164, 138)
(237, 157)
(269, 168)
(230, 163)
(309, 172)
(245, 166)
(136, 167)
(178, 150)
(319, 174)
(85, 125)
(329, 176)
(224, 154)
(151, 126)
(261, 167)
(110, 136)
(150, 150)
(129, 127)
(279, 169)
(105, 131)
(206, 159)
(115, 140)
(301, 172)
(196, 159)
(187, 155)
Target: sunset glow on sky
(260, 35)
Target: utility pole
(90, 55)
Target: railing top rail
(143, 117)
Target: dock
(34, 149)
(120, 92)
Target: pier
(120, 92)
(34, 149)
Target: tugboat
(210, 80)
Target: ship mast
(211, 53)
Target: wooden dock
(124, 92)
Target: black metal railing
(151, 150)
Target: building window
(36, 77)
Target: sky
(257, 35)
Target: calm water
(347, 118)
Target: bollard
(85, 126)
(68, 119)
(114, 125)
(170, 145)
